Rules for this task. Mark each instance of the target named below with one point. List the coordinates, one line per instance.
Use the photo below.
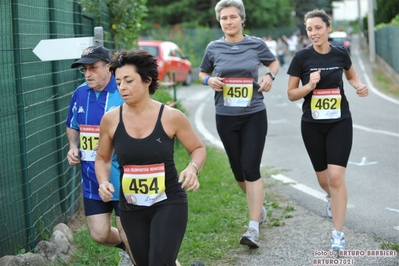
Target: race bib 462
(326, 104)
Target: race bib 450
(237, 92)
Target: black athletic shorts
(243, 138)
(328, 143)
(93, 207)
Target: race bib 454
(144, 185)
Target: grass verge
(217, 218)
(384, 83)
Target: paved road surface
(372, 174)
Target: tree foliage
(269, 14)
(303, 6)
(127, 18)
(260, 13)
(170, 12)
(385, 11)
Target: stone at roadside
(66, 230)
(47, 250)
(10, 261)
(31, 259)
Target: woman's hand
(314, 78)
(265, 83)
(216, 83)
(189, 175)
(362, 90)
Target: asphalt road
(373, 172)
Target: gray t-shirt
(237, 60)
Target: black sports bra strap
(120, 113)
(160, 112)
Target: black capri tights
(243, 138)
(328, 143)
(155, 233)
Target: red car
(171, 60)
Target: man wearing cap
(90, 101)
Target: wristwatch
(271, 75)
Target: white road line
(363, 162)
(391, 209)
(301, 187)
(216, 142)
(371, 130)
(370, 84)
(393, 134)
(201, 127)
(279, 121)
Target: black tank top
(157, 147)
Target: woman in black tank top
(153, 201)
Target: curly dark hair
(144, 63)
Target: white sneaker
(263, 215)
(250, 238)
(337, 241)
(328, 207)
(125, 259)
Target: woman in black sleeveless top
(153, 200)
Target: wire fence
(38, 189)
(387, 40)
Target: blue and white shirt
(86, 109)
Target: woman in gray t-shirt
(230, 67)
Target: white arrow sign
(62, 49)
(363, 162)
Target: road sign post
(99, 36)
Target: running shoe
(250, 238)
(328, 207)
(263, 215)
(337, 241)
(125, 259)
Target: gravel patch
(305, 240)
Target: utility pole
(371, 31)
